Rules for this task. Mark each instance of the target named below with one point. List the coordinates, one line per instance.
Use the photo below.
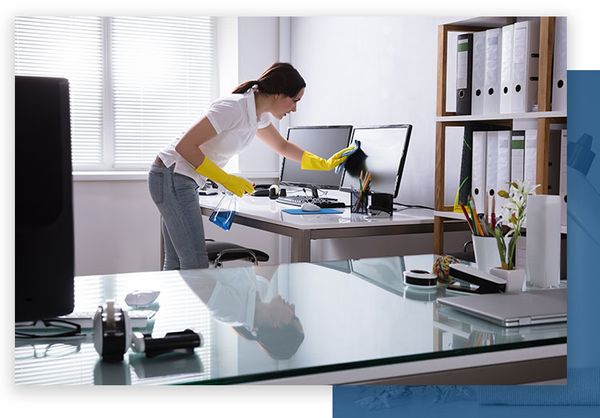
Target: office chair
(220, 251)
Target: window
(137, 83)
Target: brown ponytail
(244, 87)
(279, 78)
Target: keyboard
(322, 202)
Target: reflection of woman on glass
(250, 304)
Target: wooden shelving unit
(544, 117)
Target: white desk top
(265, 209)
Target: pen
(475, 230)
(476, 220)
(360, 180)
(467, 218)
(485, 209)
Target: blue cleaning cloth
(348, 153)
(304, 212)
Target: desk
(359, 325)
(265, 214)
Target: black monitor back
(384, 149)
(44, 249)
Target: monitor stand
(315, 195)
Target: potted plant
(508, 231)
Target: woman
(225, 130)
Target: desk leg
(301, 247)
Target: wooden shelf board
(503, 116)
(484, 21)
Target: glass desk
(338, 322)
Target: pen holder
(359, 201)
(486, 253)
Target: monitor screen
(385, 149)
(323, 141)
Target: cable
(413, 206)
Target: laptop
(514, 309)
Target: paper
(493, 58)
(525, 65)
(479, 67)
(478, 190)
(559, 72)
(506, 68)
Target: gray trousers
(176, 198)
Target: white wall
(116, 227)
(375, 71)
(360, 71)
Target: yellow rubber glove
(313, 162)
(236, 185)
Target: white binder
(503, 170)
(506, 68)
(493, 57)
(491, 164)
(563, 177)
(517, 156)
(559, 71)
(530, 166)
(478, 190)
(478, 73)
(524, 74)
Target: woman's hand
(314, 162)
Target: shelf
(543, 119)
(503, 116)
(484, 22)
(461, 217)
(449, 215)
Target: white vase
(515, 279)
(543, 240)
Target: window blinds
(137, 83)
(68, 47)
(162, 74)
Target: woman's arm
(197, 135)
(271, 136)
(187, 147)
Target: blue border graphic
(581, 396)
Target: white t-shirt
(234, 119)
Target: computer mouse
(310, 207)
(139, 298)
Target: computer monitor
(385, 149)
(44, 242)
(323, 141)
